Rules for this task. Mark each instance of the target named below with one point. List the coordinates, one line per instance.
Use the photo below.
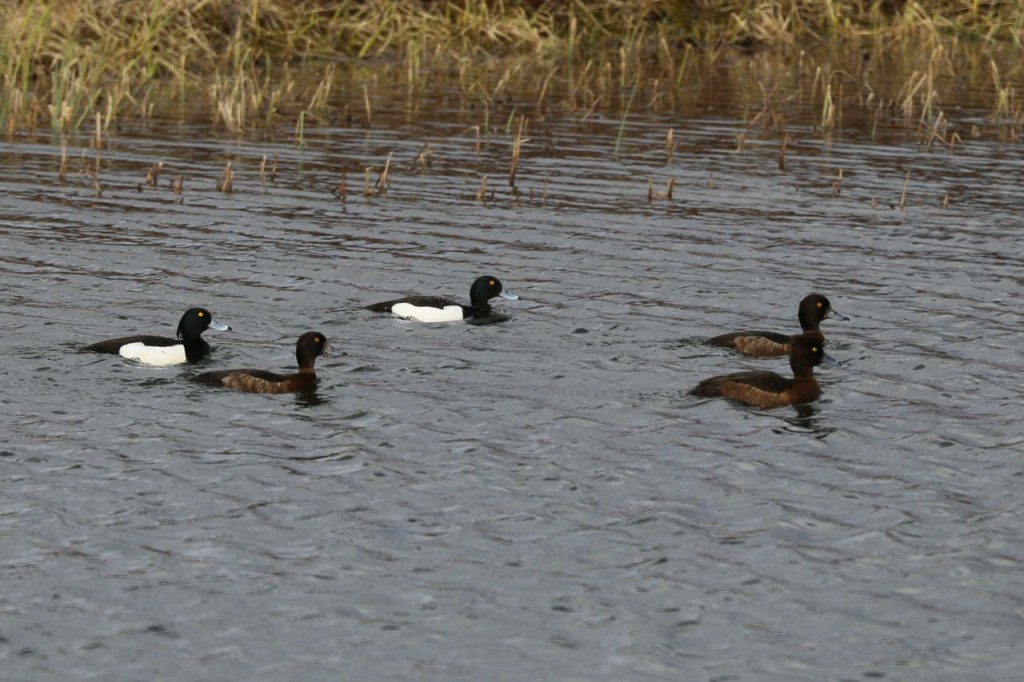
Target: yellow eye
(814, 349)
(201, 313)
(492, 282)
(820, 304)
(317, 339)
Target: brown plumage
(814, 308)
(309, 346)
(768, 389)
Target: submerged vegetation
(250, 64)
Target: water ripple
(540, 494)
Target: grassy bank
(64, 65)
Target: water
(538, 498)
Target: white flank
(408, 311)
(154, 355)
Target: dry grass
(259, 63)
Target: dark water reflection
(536, 498)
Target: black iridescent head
(485, 288)
(195, 321)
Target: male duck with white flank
(441, 309)
(189, 345)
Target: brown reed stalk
(227, 179)
(903, 194)
(300, 130)
(153, 174)
(425, 157)
(85, 170)
(653, 194)
(94, 174)
(481, 193)
(342, 190)
(517, 145)
(62, 169)
(11, 111)
(828, 109)
(263, 173)
(837, 184)
(1001, 107)
(782, 152)
(367, 191)
(937, 130)
(178, 185)
(384, 179)
(366, 104)
(544, 87)
(670, 145)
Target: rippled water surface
(538, 498)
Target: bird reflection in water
(807, 419)
(310, 398)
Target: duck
(441, 309)
(308, 348)
(768, 389)
(814, 308)
(188, 347)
